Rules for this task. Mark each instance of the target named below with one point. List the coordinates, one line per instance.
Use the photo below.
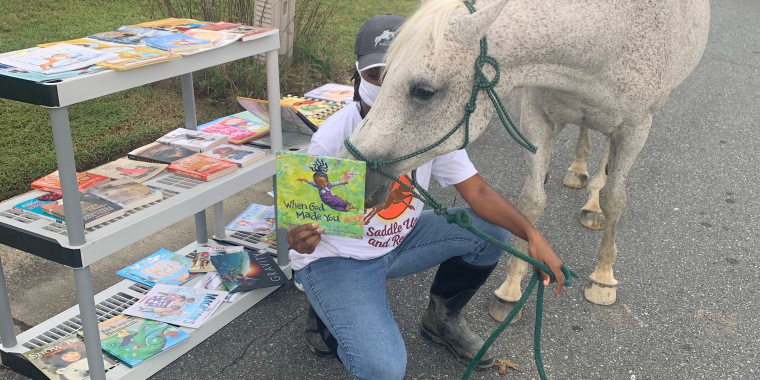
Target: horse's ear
(474, 26)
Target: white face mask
(367, 91)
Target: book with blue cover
(34, 205)
(178, 305)
(177, 42)
(131, 35)
(162, 267)
(255, 218)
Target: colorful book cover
(202, 167)
(65, 358)
(248, 32)
(292, 120)
(162, 267)
(135, 56)
(240, 155)
(159, 153)
(177, 43)
(15, 72)
(217, 38)
(255, 218)
(126, 193)
(202, 258)
(247, 127)
(311, 108)
(332, 92)
(234, 135)
(178, 305)
(51, 182)
(173, 23)
(94, 210)
(34, 205)
(129, 34)
(244, 271)
(137, 171)
(328, 191)
(213, 281)
(270, 238)
(197, 141)
(132, 340)
(57, 58)
(89, 43)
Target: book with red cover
(202, 167)
(51, 181)
(248, 32)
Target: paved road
(687, 302)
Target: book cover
(173, 23)
(202, 258)
(162, 267)
(332, 92)
(311, 108)
(94, 210)
(15, 72)
(34, 205)
(177, 43)
(135, 56)
(197, 141)
(270, 238)
(64, 358)
(217, 38)
(51, 182)
(219, 26)
(234, 135)
(240, 155)
(178, 305)
(248, 32)
(292, 120)
(246, 127)
(129, 34)
(328, 191)
(57, 58)
(255, 218)
(138, 171)
(132, 340)
(126, 193)
(213, 281)
(202, 167)
(244, 271)
(159, 153)
(90, 43)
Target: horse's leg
(591, 213)
(625, 145)
(577, 175)
(542, 133)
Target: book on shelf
(57, 58)
(202, 167)
(255, 218)
(126, 193)
(248, 32)
(270, 238)
(325, 190)
(159, 153)
(136, 56)
(64, 358)
(95, 210)
(239, 128)
(202, 256)
(312, 108)
(178, 305)
(213, 281)
(34, 206)
(162, 267)
(51, 182)
(138, 171)
(240, 155)
(15, 72)
(332, 92)
(293, 121)
(129, 34)
(177, 43)
(217, 38)
(133, 340)
(245, 271)
(173, 24)
(197, 141)
(90, 43)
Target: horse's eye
(422, 93)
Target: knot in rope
(481, 81)
(461, 217)
(375, 165)
(470, 106)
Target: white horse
(604, 65)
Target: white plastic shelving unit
(73, 246)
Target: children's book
(159, 153)
(94, 210)
(202, 167)
(239, 128)
(292, 120)
(217, 38)
(89, 43)
(135, 56)
(126, 193)
(202, 259)
(34, 205)
(332, 92)
(162, 267)
(312, 109)
(178, 305)
(129, 34)
(51, 182)
(15, 72)
(325, 190)
(132, 340)
(57, 58)
(270, 238)
(240, 155)
(213, 281)
(64, 358)
(255, 218)
(248, 32)
(137, 171)
(173, 24)
(244, 271)
(197, 141)
(177, 43)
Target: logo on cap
(385, 37)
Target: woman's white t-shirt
(387, 225)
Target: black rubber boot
(318, 337)
(443, 322)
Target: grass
(107, 128)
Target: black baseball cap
(373, 39)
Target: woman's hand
(304, 238)
(539, 249)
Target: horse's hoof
(600, 294)
(592, 220)
(575, 180)
(501, 308)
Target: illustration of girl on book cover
(323, 184)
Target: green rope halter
(462, 218)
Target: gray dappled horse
(605, 65)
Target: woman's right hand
(304, 238)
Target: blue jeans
(350, 296)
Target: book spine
(143, 159)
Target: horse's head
(428, 82)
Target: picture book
(247, 32)
(202, 167)
(129, 34)
(15, 72)
(130, 57)
(240, 155)
(90, 43)
(126, 193)
(255, 218)
(51, 182)
(34, 205)
(178, 305)
(64, 358)
(159, 153)
(173, 24)
(162, 267)
(177, 43)
(132, 340)
(244, 271)
(311, 108)
(57, 58)
(292, 120)
(202, 259)
(213, 281)
(246, 127)
(332, 92)
(325, 190)
(197, 141)
(137, 171)
(270, 238)
(217, 38)
(94, 210)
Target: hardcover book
(159, 153)
(244, 271)
(240, 155)
(94, 210)
(137, 171)
(240, 127)
(51, 182)
(126, 193)
(162, 267)
(202, 167)
(178, 305)
(57, 58)
(255, 218)
(311, 108)
(217, 38)
(213, 281)
(136, 56)
(90, 43)
(332, 92)
(132, 340)
(202, 258)
(247, 32)
(173, 23)
(270, 238)
(292, 120)
(325, 190)
(65, 358)
(177, 43)
(34, 205)
(197, 141)
(15, 72)
(129, 34)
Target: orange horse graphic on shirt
(399, 200)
